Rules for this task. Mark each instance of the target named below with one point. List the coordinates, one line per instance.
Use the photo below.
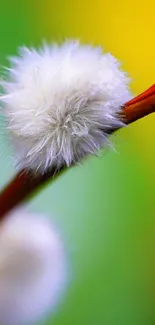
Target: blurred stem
(25, 183)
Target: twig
(25, 183)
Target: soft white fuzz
(32, 268)
(61, 101)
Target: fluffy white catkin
(32, 268)
(60, 102)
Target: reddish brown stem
(140, 106)
(22, 185)
(26, 183)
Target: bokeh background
(104, 209)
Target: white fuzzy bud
(32, 268)
(60, 102)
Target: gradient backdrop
(104, 209)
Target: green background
(105, 208)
